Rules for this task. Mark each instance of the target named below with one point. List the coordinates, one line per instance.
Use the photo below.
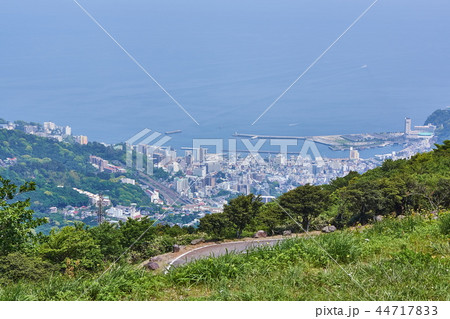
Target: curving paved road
(220, 249)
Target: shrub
(159, 245)
(16, 266)
(187, 238)
(395, 227)
(108, 237)
(342, 246)
(444, 224)
(137, 234)
(73, 248)
(410, 257)
(208, 270)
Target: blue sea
(225, 61)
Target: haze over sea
(225, 62)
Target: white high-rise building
(407, 126)
(354, 154)
(199, 171)
(49, 126)
(67, 130)
(155, 196)
(182, 185)
(200, 154)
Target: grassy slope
(393, 260)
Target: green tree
(109, 238)
(440, 118)
(435, 192)
(363, 199)
(242, 210)
(215, 224)
(138, 234)
(305, 202)
(270, 216)
(72, 247)
(442, 195)
(16, 219)
(443, 149)
(341, 182)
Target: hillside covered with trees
(58, 167)
(440, 118)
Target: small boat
(173, 132)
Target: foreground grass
(393, 260)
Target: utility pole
(100, 210)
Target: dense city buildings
(48, 129)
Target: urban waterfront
(207, 174)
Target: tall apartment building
(67, 130)
(354, 154)
(182, 184)
(407, 126)
(49, 126)
(81, 139)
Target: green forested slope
(50, 164)
(440, 118)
